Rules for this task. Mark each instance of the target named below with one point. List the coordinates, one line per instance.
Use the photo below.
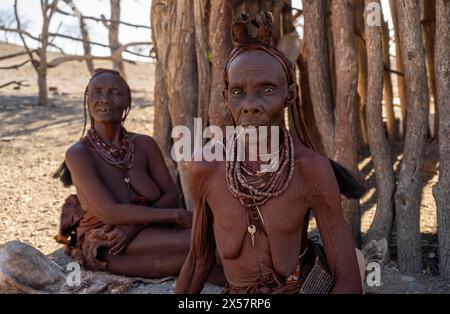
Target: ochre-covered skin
(132, 249)
(257, 94)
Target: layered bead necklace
(265, 185)
(121, 157)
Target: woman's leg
(155, 252)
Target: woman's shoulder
(143, 141)
(78, 151)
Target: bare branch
(77, 39)
(105, 45)
(19, 31)
(17, 83)
(394, 71)
(34, 62)
(14, 55)
(107, 23)
(52, 9)
(57, 29)
(16, 66)
(23, 32)
(124, 47)
(67, 58)
(138, 54)
(102, 19)
(84, 34)
(297, 15)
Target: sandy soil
(33, 140)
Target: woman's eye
(268, 90)
(236, 92)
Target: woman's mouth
(104, 110)
(252, 124)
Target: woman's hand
(120, 236)
(184, 219)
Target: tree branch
(17, 83)
(135, 43)
(394, 71)
(96, 19)
(23, 32)
(34, 62)
(14, 55)
(77, 39)
(105, 45)
(16, 66)
(67, 58)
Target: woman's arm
(99, 200)
(325, 199)
(201, 257)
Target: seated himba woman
(125, 217)
(258, 220)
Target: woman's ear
(292, 94)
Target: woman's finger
(113, 242)
(113, 234)
(117, 248)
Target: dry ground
(33, 140)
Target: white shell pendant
(252, 230)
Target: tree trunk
(47, 13)
(220, 43)
(162, 126)
(388, 95)
(182, 78)
(408, 194)
(86, 45)
(319, 70)
(379, 146)
(346, 96)
(399, 67)
(84, 35)
(362, 71)
(113, 35)
(306, 103)
(429, 29)
(331, 60)
(441, 190)
(42, 80)
(203, 67)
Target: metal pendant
(251, 229)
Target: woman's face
(258, 89)
(107, 99)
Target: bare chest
(284, 220)
(126, 184)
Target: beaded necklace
(121, 157)
(266, 185)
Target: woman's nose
(251, 106)
(104, 100)
(251, 109)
